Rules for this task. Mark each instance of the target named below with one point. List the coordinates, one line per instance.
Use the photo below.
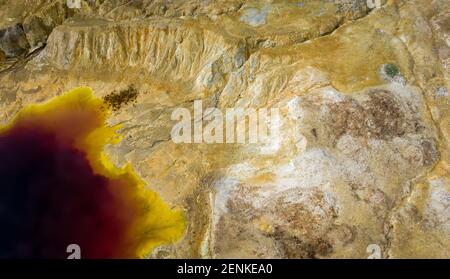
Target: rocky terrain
(362, 156)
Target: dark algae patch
(58, 187)
(117, 99)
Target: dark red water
(50, 198)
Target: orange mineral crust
(57, 187)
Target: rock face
(362, 152)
